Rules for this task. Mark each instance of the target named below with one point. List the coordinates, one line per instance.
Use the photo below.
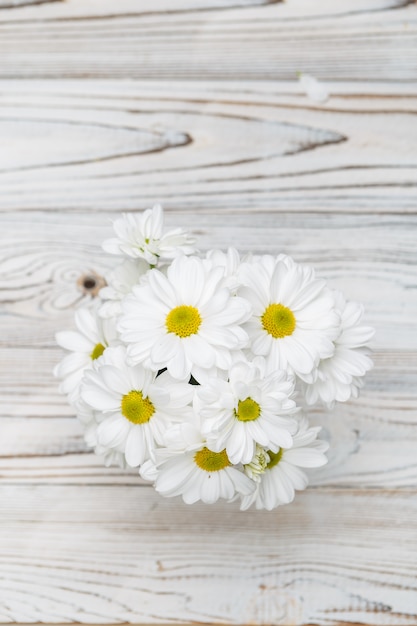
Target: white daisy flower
(184, 321)
(134, 406)
(340, 377)
(294, 319)
(196, 473)
(120, 283)
(87, 344)
(248, 409)
(140, 236)
(278, 474)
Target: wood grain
(122, 553)
(110, 106)
(199, 147)
(214, 39)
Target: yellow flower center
(183, 321)
(136, 408)
(278, 320)
(211, 461)
(97, 351)
(247, 410)
(275, 458)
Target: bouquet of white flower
(187, 368)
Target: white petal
(284, 488)
(174, 474)
(178, 366)
(199, 351)
(298, 477)
(99, 398)
(165, 348)
(305, 457)
(210, 490)
(298, 355)
(71, 340)
(87, 323)
(135, 451)
(72, 363)
(243, 484)
(115, 381)
(192, 489)
(113, 431)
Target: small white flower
(250, 408)
(294, 319)
(120, 283)
(184, 321)
(134, 406)
(257, 466)
(195, 472)
(340, 377)
(140, 236)
(314, 89)
(87, 344)
(282, 475)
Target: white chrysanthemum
(185, 321)
(340, 377)
(140, 236)
(195, 472)
(279, 475)
(87, 344)
(249, 408)
(294, 319)
(134, 406)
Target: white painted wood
(195, 103)
(204, 147)
(344, 40)
(108, 554)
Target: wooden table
(112, 105)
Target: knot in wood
(91, 283)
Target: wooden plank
(226, 39)
(370, 258)
(202, 147)
(86, 9)
(109, 554)
(11, 10)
